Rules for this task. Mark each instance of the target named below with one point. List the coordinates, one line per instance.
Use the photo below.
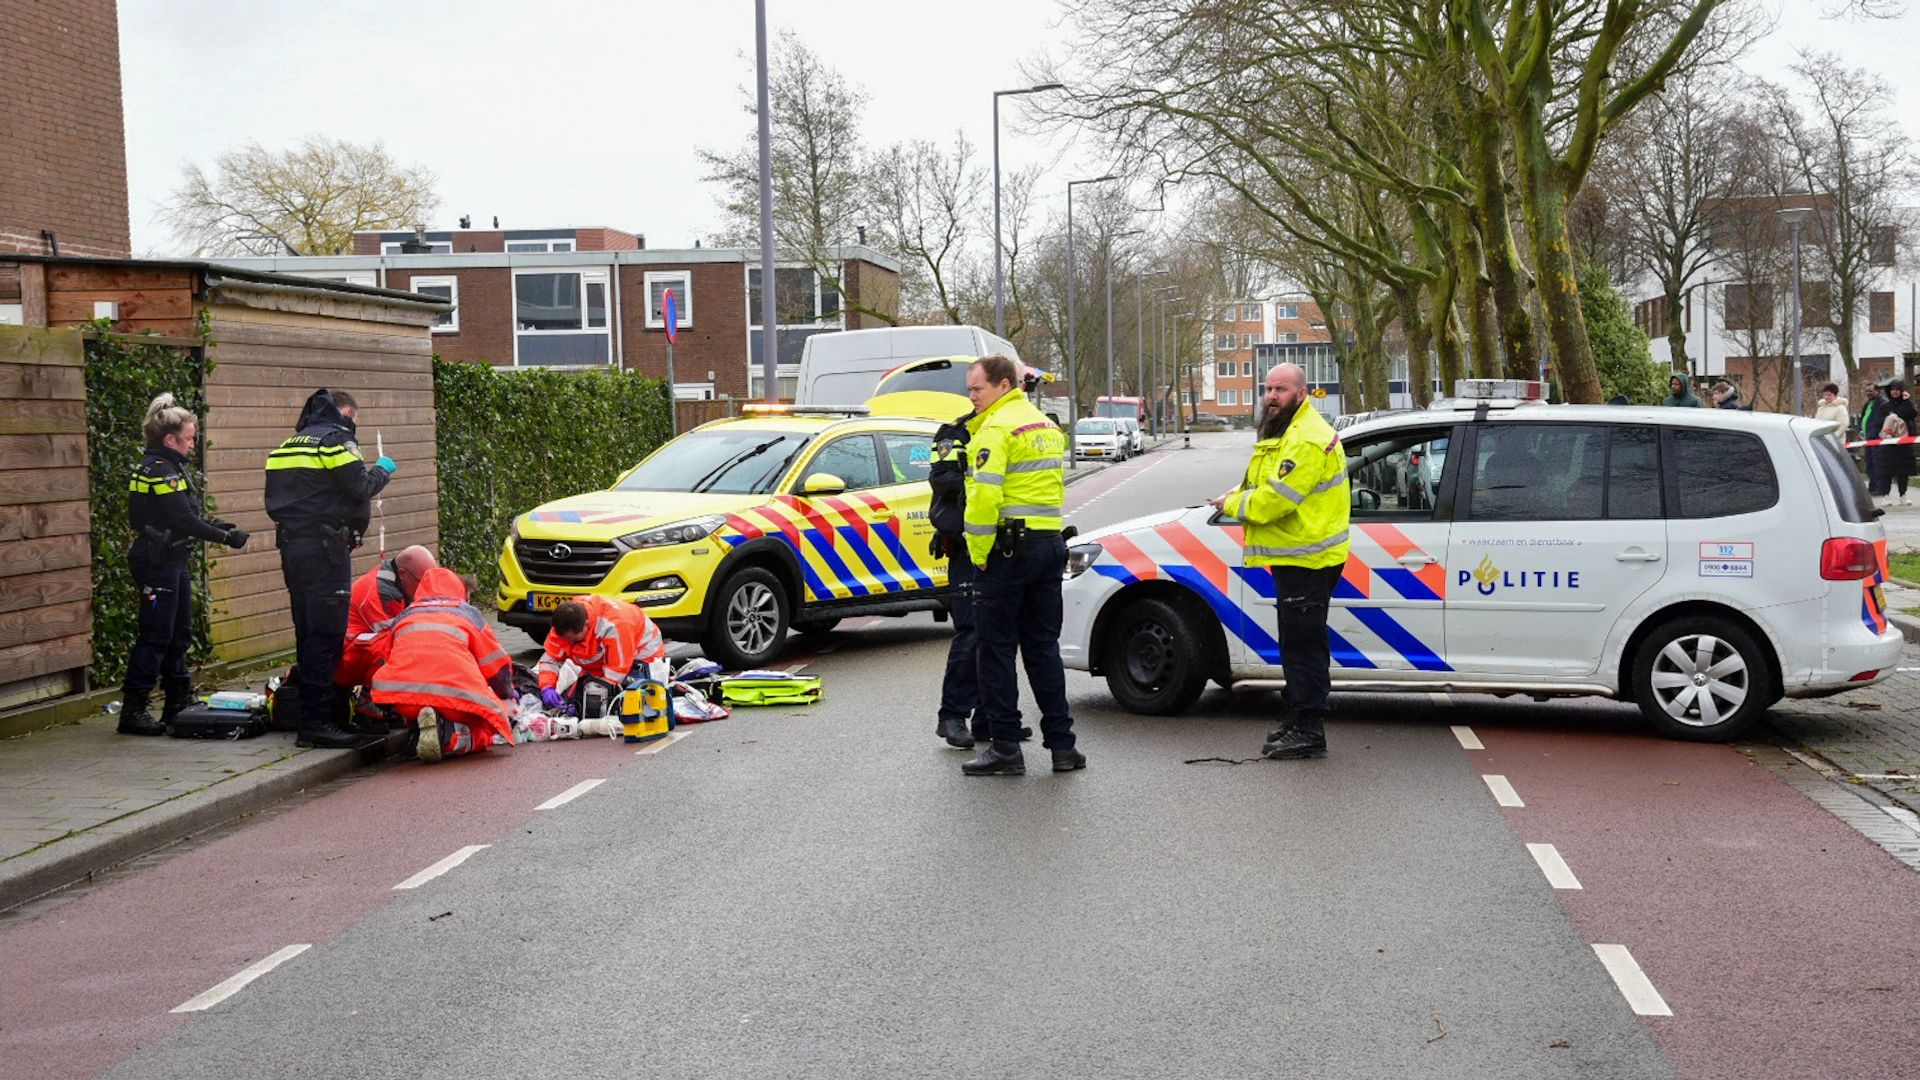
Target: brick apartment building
(579, 297)
(1236, 373)
(63, 159)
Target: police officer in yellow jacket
(1013, 521)
(1294, 502)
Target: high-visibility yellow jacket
(1018, 462)
(1294, 497)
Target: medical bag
(770, 688)
(203, 721)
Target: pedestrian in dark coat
(1872, 418)
(1896, 462)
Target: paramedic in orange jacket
(602, 637)
(379, 596)
(441, 667)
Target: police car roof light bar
(1499, 390)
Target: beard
(1276, 422)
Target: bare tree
(308, 200)
(926, 200)
(820, 169)
(1848, 151)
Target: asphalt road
(817, 891)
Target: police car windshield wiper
(720, 470)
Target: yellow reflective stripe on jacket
(311, 457)
(1295, 499)
(142, 484)
(1017, 459)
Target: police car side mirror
(821, 483)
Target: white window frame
(434, 247)
(681, 281)
(1223, 342)
(452, 326)
(1246, 369)
(602, 276)
(1229, 397)
(1186, 397)
(525, 247)
(1250, 313)
(1225, 369)
(1291, 337)
(1286, 311)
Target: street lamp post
(769, 342)
(1160, 348)
(1140, 336)
(999, 302)
(1793, 216)
(1073, 346)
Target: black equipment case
(203, 721)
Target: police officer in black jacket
(167, 521)
(320, 497)
(960, 689)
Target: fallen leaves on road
(1441, 1023)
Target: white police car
(1701, 563)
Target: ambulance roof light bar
(1500, 389)
(762, 409)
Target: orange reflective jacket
(442, 652)
(618, 633)
(376, 601)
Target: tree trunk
(1544, 199)
(1677, 333)
(1506, 271)
(1419, 345)
(1481, 332)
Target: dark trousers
(318, 571)
(960, 689)
(1305, 656)
(1017, 606)
(1877, 481)
(165, 623)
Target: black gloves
(223, 526)
(236, 538)
(937, 547)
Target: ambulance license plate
(542, 601)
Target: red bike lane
(92, 980)
(1784, 942)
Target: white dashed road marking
(1633, 983)
(1559, 874)
(1468, 740)
(571, 794)
(238, 982)
(441, 867)
(1503, 792)
(662, 743)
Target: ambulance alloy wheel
(1156, 661)
(749, 622)
(1702, 678)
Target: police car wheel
(1702, 678)
(749, 621)
(1155, 659)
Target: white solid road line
(1503, 792)
(571, 794)
(234, 985)
(1633, 983)
(441, 867)
(662, 743)
(1559, 874)
(1468, 740)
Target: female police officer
(166, 517)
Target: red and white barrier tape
(1904, 440)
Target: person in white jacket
(1832, 407)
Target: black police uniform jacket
(946, 511)
(163, 508)
(316, 477)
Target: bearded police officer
(1294, 501)
(1015, 499)
(319, 495)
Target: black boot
(1001, 759)
(1068, 760)
(179, 696)
(956, 733)
(1303, 740)
(134, 717)
(330, 736)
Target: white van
(842, 368)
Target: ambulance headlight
(678, 532)
(1079, 558)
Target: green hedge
(510, 439)
(123, 375)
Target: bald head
(410, 566)
(1286, 386)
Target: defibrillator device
(770, 688)
(644, 714)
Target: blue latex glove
(386, 463)
(555, 703)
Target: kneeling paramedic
(1294, 502)
(320, 497)
(1015, 498)
(603, 638)
(165, 514)
(442, 668)
(378, 598)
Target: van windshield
(732, 461)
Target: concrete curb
(79, 858)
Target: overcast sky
(588, 113)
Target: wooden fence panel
(46, 591)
